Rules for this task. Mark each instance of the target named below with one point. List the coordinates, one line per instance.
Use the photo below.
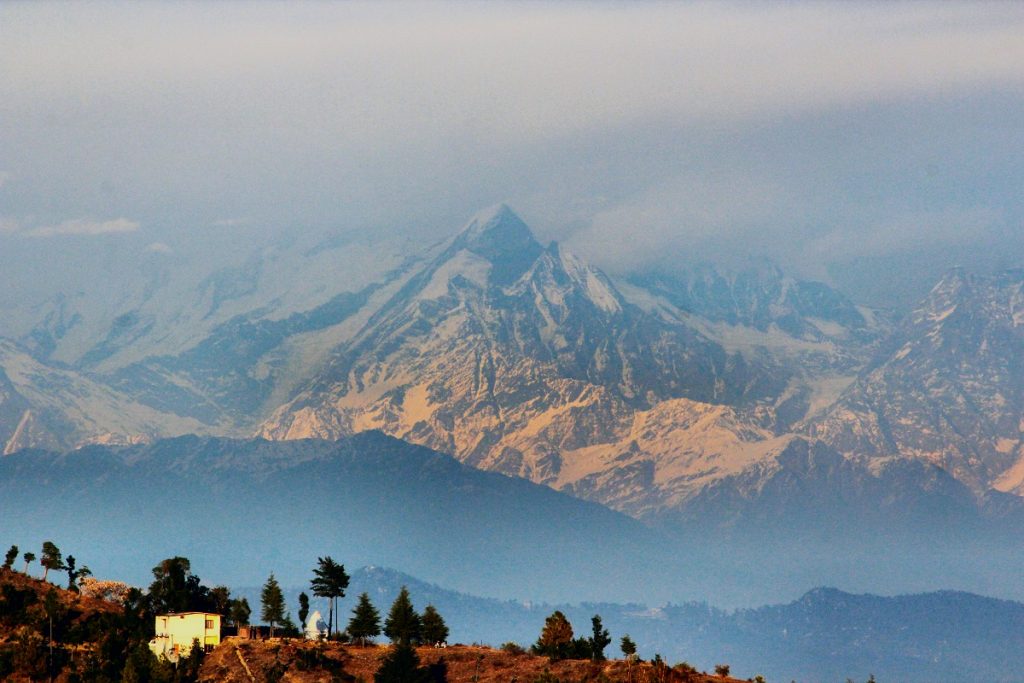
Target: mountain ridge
(522, 359)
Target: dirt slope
(299, 661)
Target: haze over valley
(655, 307)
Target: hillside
(27, 605)
(244, 507)
(305, 662)
(825, 634)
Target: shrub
(722, 670)
(513, 648)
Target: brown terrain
(245, 661)
(239, 660)
(77, 607)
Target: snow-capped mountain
(523, 359)
(948, 388)
(652, 393)
(45, 406)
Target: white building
(176, 633)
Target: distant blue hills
(825, 635)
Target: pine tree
(29, 559)
(403, 623)
(599, 640)
(329, 581)
(272, 600)
(628, 646)
(51, 558)
(10, 557)
(401, 665)
(288, 627)
(432, 626)
(303, 609)
(72, 573)
(555, 638)
(365, 622)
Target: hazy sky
(859, 142)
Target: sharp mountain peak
(500, 236)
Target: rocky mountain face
(508, 362)
(671, 396)
(948, 388)
(523, 359)
(52, 407)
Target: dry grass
(465, 664)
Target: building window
(209, 623)
(208, 648)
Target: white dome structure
(316, 627)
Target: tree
(220, 598)
(303, 609)
(403, 623)
(432, 626)
(555, 638)
(72, 573)
(239, 612)
(111, 591)
(401, 665)
(272, 600)
(176, 589)
(288, 627)
(722, 670)
(51, 558)
(599, 640)
(365, 622)
(10, 557)
(329, 581)
(628, 646)
(29, 559)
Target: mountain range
(703, 402)
(824, 634)
(635, 392)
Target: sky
(869, 145)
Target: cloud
(159, 248)
(909, 232)
(230, 222)
(652, 130)
(8, 226)
(687, 213)
(84, 226)
(508, 71)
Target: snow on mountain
(645, 393)
(948, 387)
(540, 367)
(169, 303)
(58, 408)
